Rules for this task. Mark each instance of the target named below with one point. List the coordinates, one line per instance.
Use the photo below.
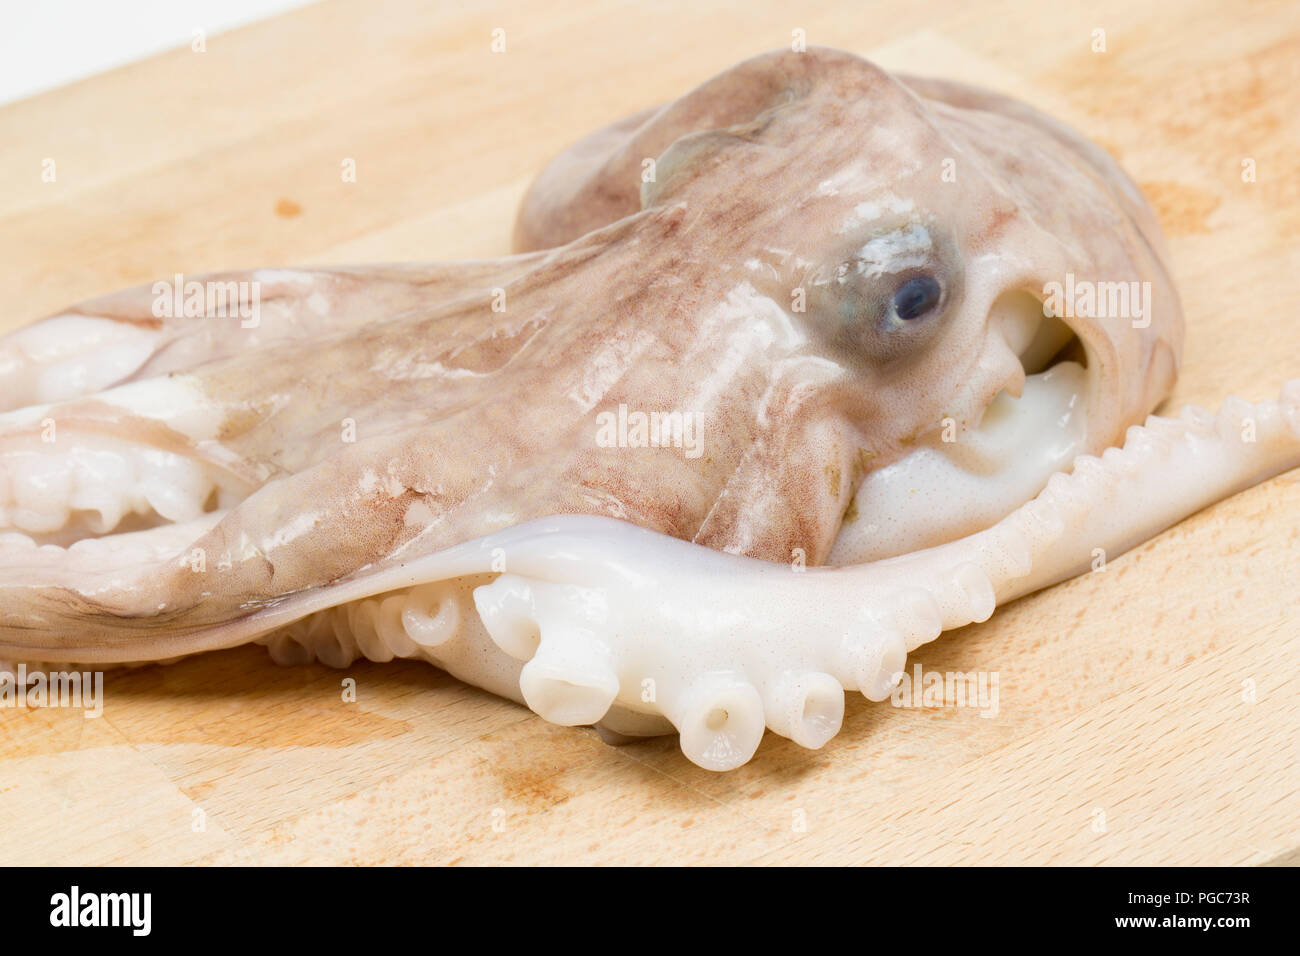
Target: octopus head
(989, 286)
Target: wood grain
(1147, 714)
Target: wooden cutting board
(1148, 714)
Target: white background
(47, 43)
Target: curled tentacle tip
(287, 651)
(1198, 420)
(807, 708)
(430, 616)
(1089, 470)
(720, 722)
(915, 617)
(333, 652)
(1232, 413)
(570, 682)
(874, 664)
(507, 610)
(1120, 462)
(364, 626)
(979, 598)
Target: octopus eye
(917, 296)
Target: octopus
(784, 379)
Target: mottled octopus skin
(476, 522)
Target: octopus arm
(157, 328)
(730, 645)
(592, 620)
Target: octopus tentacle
(184, 321)
(729, 644)
(598, 620)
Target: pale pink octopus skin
(675, 295)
